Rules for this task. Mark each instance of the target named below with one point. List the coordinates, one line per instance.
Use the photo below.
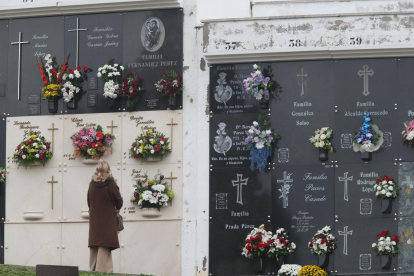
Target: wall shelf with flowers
(92, 143)
(322, 244)
(32, 151)
(110, 74)
(150, 146)
(386, 247)
(151, 195)
(170, 85)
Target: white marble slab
(133, 121)
(131, 211)
(73, 123)
(75, 188)
(18, 126)
(76, 251)
(29, 191)
(32, 244)
(151, 247)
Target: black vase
(323, 154)
(264, 103)
(385, 261)
(111, 102)
(386, 205)
(366, 156)
(172, 102)
(282, 260)
(323, 260)
(129, 106)
(52, 105)
(72, 104)
(258, 264)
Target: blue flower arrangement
(259, 141)
(367, 138)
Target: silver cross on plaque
(20, 42)
(77, 39)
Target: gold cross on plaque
(53, 136)
(171, 181)
(172, 124)
(52, 182)
(112, 129)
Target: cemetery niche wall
(297, 191)
(43, 208)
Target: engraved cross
(239, 183)
(172, 124)
(365, 73)
(345, 233)
(53, 135)
(345, 179)
(20, 42)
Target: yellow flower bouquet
(312, 270)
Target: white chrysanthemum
(153, 200)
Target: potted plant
(72, 88)
(52, 78)
(151, 145)
(110, 74)
(258, 86)
(386, 189)
(170, 86)
(408, 134)
(151, 195)
(281, 247)
(312, 270)
(129, 89)
(321, 139)
(33, 150)
(368, 138)
(259, 141)
(92, 143)
(289, 270)
(321, 245)
(386, 247)
(257, 246)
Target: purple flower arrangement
(257, 85)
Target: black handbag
(119, 219)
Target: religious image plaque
(152, 103)
(33, 99)
(34, 109)
(93, 100)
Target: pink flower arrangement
(92, 142)
(408, 134)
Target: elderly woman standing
(103, 194)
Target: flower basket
(52, 105)
(259, 141)
(152, 194)
(368, 138)
(110, 74)
(170, 86)
(151, 212)
(323, 242)
(92, 143)
(150, 144)
(386, 247)
(258, 86)
(129, 89)
(34, 148)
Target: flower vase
(72, 104)
(323, 154)
(52, 105)
(111, 102)
(366, 156)
(172, 102)
(258, 264)
(323, 260)
(386, 205)
(282, 260)
(385, 261)
(150, 212)
(264, 103)
(90, 161)
(130, 105)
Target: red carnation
(27, 142)
(252, 238)
(78, 68)
(55, 75)
(60, 79)
(139, 79)
(162, 139)
(93, 145)
(378, 236)
(163, 91)
(384, 177)
(135, 89)
(135, 83)
(384, 233)
(132, 94)
(124, 79)
(323, 240)
(125, 82)
(378, 181)
(179, 76)
(330, 243)
(168, 85)
(53, 70)
(179, 84)
(163, 82)
(162, 74)
(133, 145)
(170, 80)
(175, 86)
(85, 68)
(169, 93)
(389, 179)
(71, 70)
(395, 238)
(256, 247)
(129, 74)
(47, 145)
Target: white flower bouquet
(322, 138)
(385, 244)
(280, 245)
(257, 85)
(289, 270)
(110, 74)
(386, 188)
(323, 242)
(73, 85)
